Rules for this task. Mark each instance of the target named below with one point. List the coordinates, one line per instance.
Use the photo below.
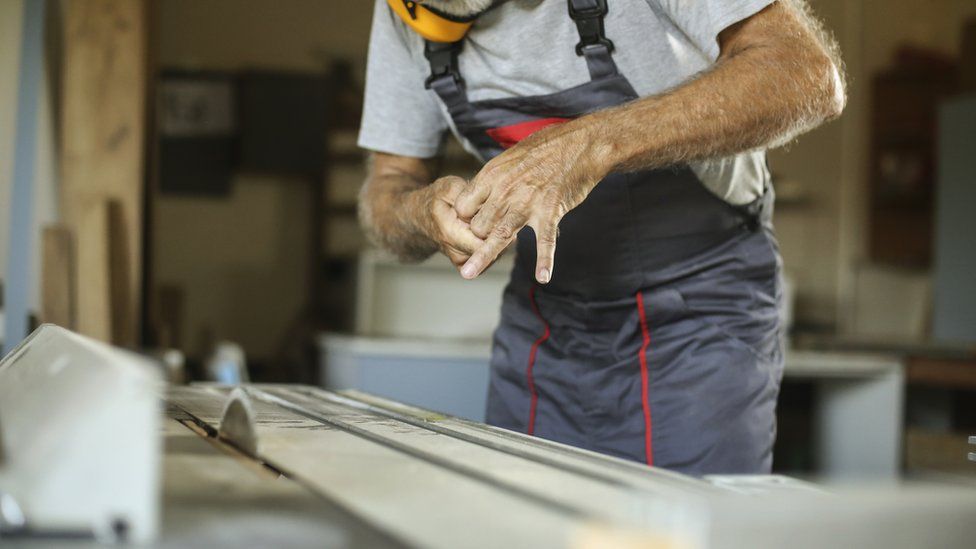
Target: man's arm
(406, 214)
(388, 205)
(775, 78)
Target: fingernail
(544, 276)
(468, 271)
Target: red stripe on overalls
(533, 396)
(508, 136)
(645, 403)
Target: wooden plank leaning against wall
(102, 147)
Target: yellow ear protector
(432, 24)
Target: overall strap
(593, 45)
(445, 79)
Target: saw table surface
(361, 471)
(94, 446)
(325, 469)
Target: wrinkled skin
(535, 184)
(776, 77)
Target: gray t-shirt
(527, 47)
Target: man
(624, 142)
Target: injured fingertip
(469, 271)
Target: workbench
(350, 469)
(95, 448)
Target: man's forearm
(775, 78)
(759, 94)
(389, 203)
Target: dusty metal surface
(297, 466)
(83, 441)
(216, 498)
(435, 481)
(423, 479)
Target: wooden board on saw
(57, 276)
(102, 127)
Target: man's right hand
(433, 206)
(406, 214)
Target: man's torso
(527, 48)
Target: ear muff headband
(427, 23)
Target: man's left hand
(534, 184)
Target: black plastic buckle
(443, 61)
(589, 23)
(436, 75)
(595, 12)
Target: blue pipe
(18, 283)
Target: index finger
(484, 256)
(499, 238)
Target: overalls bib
(658, 337)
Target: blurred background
(180, 177)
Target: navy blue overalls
(658, 337)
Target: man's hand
(402, 211)
(777, 76)
(434, 205)
(532, 184)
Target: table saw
(297, 466)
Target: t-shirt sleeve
(703, 20)
(400, 116)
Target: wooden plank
(102, 130)
(57, 276)
(94, 313)
(936, 451)
(120, 291)
(942, 372)
(167, 309)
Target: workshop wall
(812, 179)
(822, 178)
(289, 34)
(242, 260)
(821, 221)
